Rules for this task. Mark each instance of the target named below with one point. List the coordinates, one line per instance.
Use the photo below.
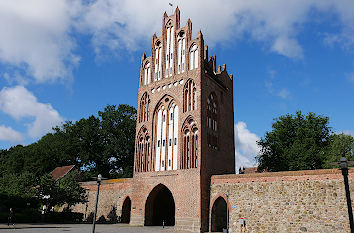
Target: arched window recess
(166, 134)
(212, 121)
(143, 155)
(189, 156)
(158, 60)
(147, 73)
(189, 96)
(144, 108)
(193, 57)
(181, 40)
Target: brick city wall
(183, 184)
(301, 201)
(185, 189)
(111, 198)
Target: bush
(22, 216)
(35, 216)
(63, 217)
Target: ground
(83, 228)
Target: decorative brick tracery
(190, 144)
(143, 160)
(144, 108)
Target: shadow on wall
(89, 217)
(112, 217)
(102, 219)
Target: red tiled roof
(60, 172)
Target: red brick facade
(203, 93)
(184, 160)
(184, 132)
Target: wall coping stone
(321, 174)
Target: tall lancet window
(147, 73)
(189, 96)
(144, 108)
(170, 30)
(212, 121)
(143, 155)
(189, 156)
(181, 52)
(166, 144)
(158, 60)
(193, 57)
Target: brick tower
(184, 132)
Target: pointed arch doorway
(160, 207)
(219, 215)
(126, 208)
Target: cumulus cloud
(39, 37)
(20, 103)
(246, 146)
(35, 37)
(275, 22)
(9, 134)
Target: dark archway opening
(127, 204)
(160, 207)
(219, 215)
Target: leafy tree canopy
(98, 144)
(341, 145)
(296, 142)
(65, 190)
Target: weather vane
(171, 5)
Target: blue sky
(64, 60)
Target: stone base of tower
(188, 224)
(183, 224)
(171, 197)
(137, 220)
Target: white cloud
(38, 37)
(16, 78)
(284, 93)
(35, 37)
(9, 134)
(245, 145)
(19, 103)
(288, 47)
(124, 23)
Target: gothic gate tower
(184, 132)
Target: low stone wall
(301, 201)
(111, 198)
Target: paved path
(82, 228)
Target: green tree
(296, 142)
(12, 160)
(48, 191)
(103, 144)
(71, 190)
(17, 184)
(98, 144)
(16, 190)
(341, 145)
(66, 190)
(118, 128)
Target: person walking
(10, 218)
